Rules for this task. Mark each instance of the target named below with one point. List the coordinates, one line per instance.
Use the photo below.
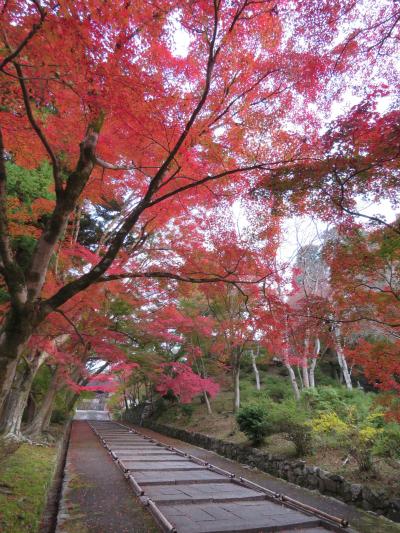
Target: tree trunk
(30, 409)
(293, 381)
(300, 378)
(7, 373)
(207, 402)
(255, 370)
(14, 335)
(341, 357)
(26, 311)
(304, 367)
(14, 406)
(312, 372)
(314, 363)
(47, 418)
(236, 388)
(43, 414)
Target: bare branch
(71, 324)
(110, 166)
(194, 183)
(329, 320)
(212, 278)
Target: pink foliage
(184, 383)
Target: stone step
(177, 477)
(139, 451)
(153, 458)
(203, 492)
(239, 515)
(172, 466)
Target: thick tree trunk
(43, 414)
(30, 409)
(7, 374)
(71, 401)
(15, 333)
(255, 370)
(27, 312)
(47, 418)
(14, 406)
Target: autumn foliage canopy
(151, 153)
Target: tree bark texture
(43, 414)
(14, 406)
(341, 357)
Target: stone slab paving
(195, 498)
(239, 516)
(176, 478)
(206, 492)
(134, 456)
(162, 465)
(87, 504)
(138, 450)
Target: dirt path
(362, 521)
(96, 497)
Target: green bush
(340, 400)
(187, 409)
(388, 442)
(291, 419)
(252, 421)
(59, 416)
(260, 420)
(277, 389)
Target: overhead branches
(35, 28)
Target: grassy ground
(25, 477)
(222, 425)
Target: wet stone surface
(194, 498)
(96, 498)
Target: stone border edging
(49, 516)
(297, 472)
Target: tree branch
(39, 132)
(194, 183)
(64, 207)
(212, 278)
(13, 274)
(35, 28)
(71, 324)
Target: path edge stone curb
(49, 516)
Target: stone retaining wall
(297, 472)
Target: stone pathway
(187, 495)
(91, 414)
(95, 496)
